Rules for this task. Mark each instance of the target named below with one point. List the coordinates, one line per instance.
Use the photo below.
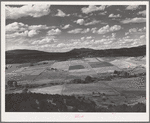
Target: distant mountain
(28, 56)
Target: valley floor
(89, 78)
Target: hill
(29, 56)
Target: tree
(88, 79)
(115, 72)
(11, 83)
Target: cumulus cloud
(82, 38)
(134, 20)
(54, 32)
(104, 29)
(80, 21)
(89, 37)
(14, 27)
(133, 30)
(142, 29)
(107, 28)
(47, 39)
(75, 31)
(94, 30)
(19, 29)
(85, 30)
(126, 37)
(102, 13)
(67, 45)
(142, 36)
(132, 7)
(115, 28)
(92, 8)
(104, 41)
(17, 34)
(143, 13)
(114, 16)
(61, 45)
(38, 27)
(27, 10)
(77, 15)
(79, 30)
(66, 26)
(126, 33)
(61, 13)
(92, 23)
(32, 33)
(113, 35)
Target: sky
(61, 28)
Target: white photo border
(70, 117)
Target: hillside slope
(28, 56)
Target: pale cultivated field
(105, 69)
(100, 59)
(91, 60)
(64, 65)
(123, 64)
(37, 72)
(69, 89)
(49, 90)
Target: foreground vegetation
(32, 102)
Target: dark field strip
(76, 67)
(99, 64)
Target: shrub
(115, 72)
(12, 83)
(88, 79)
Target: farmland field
(98, 64)
(55, 77)
(76, 67)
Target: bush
(88, 79)
(115, 72)
(12, 83)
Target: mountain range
(31, 56)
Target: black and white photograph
(78, 58)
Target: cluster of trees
(127, 74)
(32, 102)
(88, 79)
(122, 73)
(12, 83)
